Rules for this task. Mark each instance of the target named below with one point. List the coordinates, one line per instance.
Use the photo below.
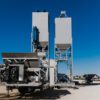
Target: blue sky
(15, 28)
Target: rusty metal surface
(19, 55)
(63, 46)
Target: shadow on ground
(92, 84)
(46, 94)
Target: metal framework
(39, 69)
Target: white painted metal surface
(40, 20)
(21, 72)
(52, 72)
(63, 33)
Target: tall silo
(40, 21)
(63, 32)
(63, 39)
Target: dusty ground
(91, 92)
(84, 93)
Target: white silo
(40, 20)
(63, 31)
(63, 40)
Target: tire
(58, 87)
(25, 90)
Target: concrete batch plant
(39, 69)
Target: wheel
(58, 87)
(24, 90)
(41, 89)
(51, 88)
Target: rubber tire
(24, 90)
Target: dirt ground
(91, 92)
